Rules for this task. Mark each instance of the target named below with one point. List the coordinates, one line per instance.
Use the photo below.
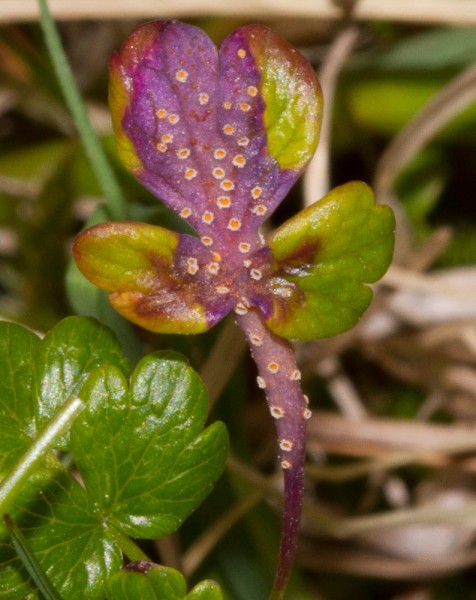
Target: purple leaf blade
(160, 88)
(220, 138)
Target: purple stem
(280, 378)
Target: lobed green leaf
(141, 450)
(325, 255)
(145, 460)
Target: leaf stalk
(280, 379)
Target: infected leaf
(326, 256)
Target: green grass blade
(110, 188)
(11, 485)
(29, 561)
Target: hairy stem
(280, 379)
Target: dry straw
(455, 12)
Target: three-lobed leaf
(143, 455)
(221, 136)
(181, 109)
(326, 255)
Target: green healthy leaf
(51, 506)
(205, 590)
(145, 459)
(155, 582)
(68, 354)
(18, 348)
(326, 254)
(14, 579)
(32, 459)
(29, 561)
(69, 539)
(36, 379)
(141, 452)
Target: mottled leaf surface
(325, 255)
(160, 279)
(216, 135)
